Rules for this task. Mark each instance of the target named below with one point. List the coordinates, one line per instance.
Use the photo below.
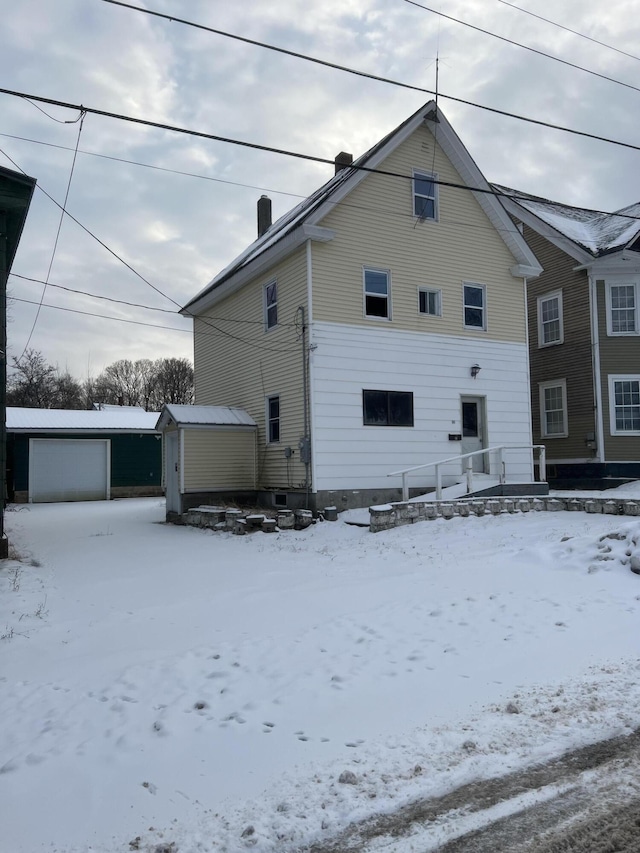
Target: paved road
(586, 801)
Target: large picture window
(387, 408)
(553, 409)
(550, 327)
(377, 295)
(425, 195)
(624, 405)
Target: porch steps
(388, 516)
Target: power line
(137, 304)
(150, 325)
(569, 30)
(55, 242)
(514, 43)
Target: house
(377, 326)
(74, 455)
(584, 335)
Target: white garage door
(68, 470)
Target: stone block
(447, 510)
(407, 512)
(478, 507)
(575, 505)
(254, 521)
(610, 508)
(523, 505)
(630, 508)
(240, 526)
(508, 504)
(537, 505)
(592, 506)
(230, 517)
(429, 511)
(303, 518)
(494, 507)
(554, 505)
(330, 513)
(286, 519)
(463, 509)
(268, 525)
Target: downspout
(528, 365)
(595, 362)
(305, 444)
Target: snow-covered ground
(180, 685)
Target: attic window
(425, 195)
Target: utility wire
(512, 42)
(316, 60)
(141, 322)
(569, 30)
(55, 243)
(137, 304)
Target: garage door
(68, 470)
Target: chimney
(342, 161)
(264, 214)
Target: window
(425, 195)
(270, 298)
(550, 329)
(553, 409)
(430, 302)
(623, 309)
(624, 405)
(387, 408)
(273, 419)
(377, 302)
(474, 307)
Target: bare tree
(37, 384)
(174, 382)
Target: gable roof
(195, 416)
(303, 221)
(124, 419)
(596, 233)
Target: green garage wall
(136, 461)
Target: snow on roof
(598, 233)
(52, 420)
(207, 415)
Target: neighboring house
(379, 325)
(584, 335)
(69, 455)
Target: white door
(172, 479)
(72, 469)
(473, 431)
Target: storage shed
(68, 455)
(210, 453)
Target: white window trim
(267, 284)
(267, 419)
(438, 292)
(629, 377)
(556, 294)
(386, 272)
(628, 283)
(432, 176)
(562, 383)
(482, 287)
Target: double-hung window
(553, 409)
(550, 327)
(425, 195)
(387, 408)
(270, 304)
(624, 405)
(377, 293)
(430, 302)
(273, 419)
(622, 312)
(475, 313)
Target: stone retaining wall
(389, 516)
(239, 522)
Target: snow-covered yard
(180, 685)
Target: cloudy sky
(177, 208)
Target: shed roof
(204, 416)
(72, 420)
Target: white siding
(436, 368)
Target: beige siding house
(379, 325)
(584, 334)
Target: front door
(473, 431)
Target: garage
(68, 470)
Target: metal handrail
(469, 466)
